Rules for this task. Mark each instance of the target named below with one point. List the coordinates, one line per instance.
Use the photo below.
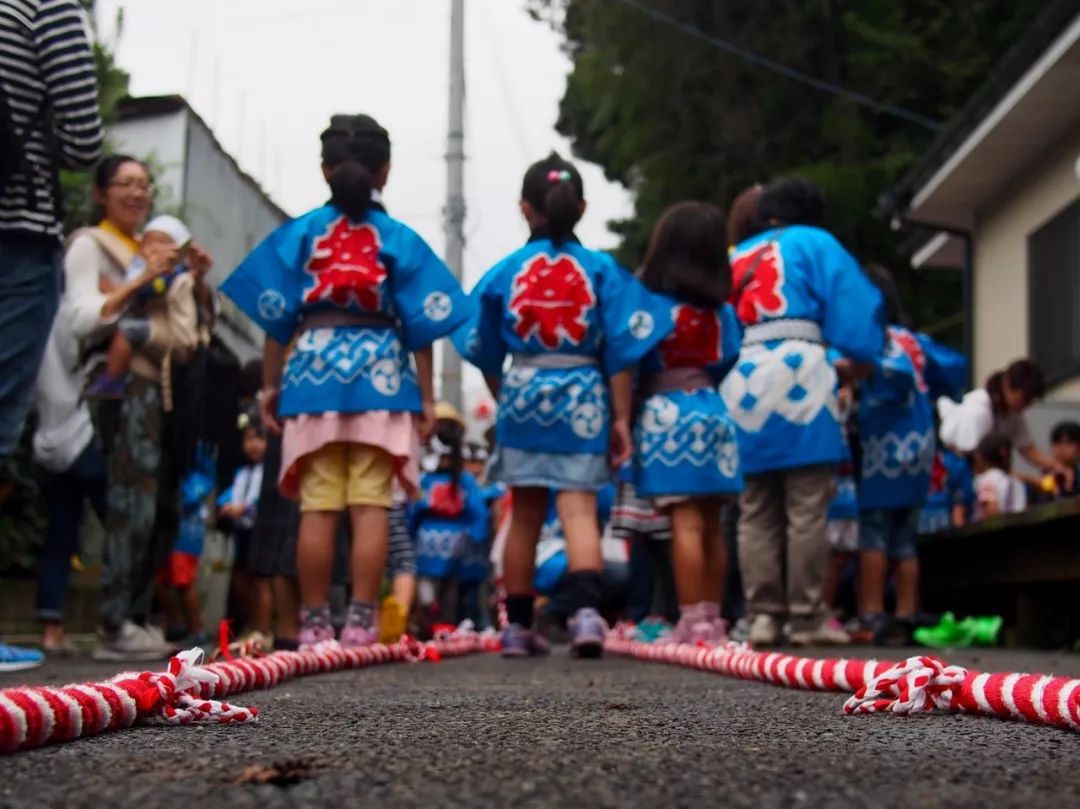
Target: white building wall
(161, 142)
(1001, 262)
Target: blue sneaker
(13, 658)
(516, 641)
(587, 633)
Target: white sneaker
(764, 631)
(133, 642)
(825, 634)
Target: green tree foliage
(672, 117)
(113, 83)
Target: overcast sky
(267, 74)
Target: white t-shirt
(996, 486)
(964, 424)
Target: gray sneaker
(516, 641)
(587, 633)
(133, 643)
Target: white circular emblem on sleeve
(438, 306)
(641, 325)
(271, 305)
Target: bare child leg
(715, 565)
(262, 604)
(315, 567)
(907, 587)
(118, 357)
(585, 563)
(530, 505)
(287, 607)
(189, 597)
(370, 545)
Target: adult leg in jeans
(134, 465)
(64, 495)
(29, 295)
(166, 529)
(807, 492)
(762, 539)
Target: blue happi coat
(845, 503)
(559, 300)
(797, 290)
(950, 486)
(896, 418)
(444, 523)
(376, 269)
(686, 442)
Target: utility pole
(454, 212)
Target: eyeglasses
(134, 185)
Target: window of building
(1054, 295)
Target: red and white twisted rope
(188, 692)
(918, 685)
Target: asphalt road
(609, 733)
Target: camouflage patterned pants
(140, 493)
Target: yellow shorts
(340, 475)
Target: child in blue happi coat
(572, 323)
(449, 516)
(797, 292)
(687, 457)
(951, 498)
(351, 301)
(896, 430)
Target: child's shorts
(340, 475)
(180, 570)
(843, 535)
(890, 530)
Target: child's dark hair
(452, 435)
(553, 187)
(1065, 431)
(354, 149)
(743, 222)
(792, 201)
(881, 277)
(1022, 375)
(687, 256)
(249, 419)
(996, 449)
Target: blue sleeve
(480, 341)
(428, 299)
(731, 333)
(635, 320)
(894, 375)
(854, 311)
(267, 285)
(946, 370)
(477, 516)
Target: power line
(782, 69)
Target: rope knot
(918, 685)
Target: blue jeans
(64, 494)
(29, 295)
(891, 531)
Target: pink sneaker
(356, 637)
(692, 633)
(720, 631)
(314, 634)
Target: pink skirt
(396, 433)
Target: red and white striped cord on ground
(189, 692)
(918, 685)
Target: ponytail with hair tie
(553, 187)
(355, 149)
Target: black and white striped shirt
(46, 65)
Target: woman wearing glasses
(107, 270)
